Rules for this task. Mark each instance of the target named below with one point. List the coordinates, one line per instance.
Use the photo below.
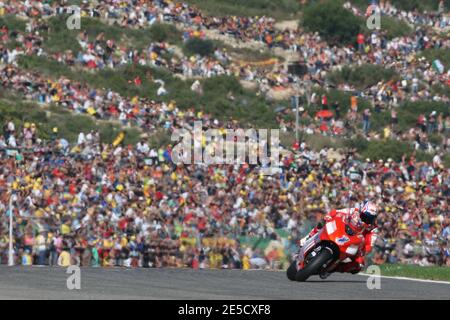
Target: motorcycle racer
(362, 220)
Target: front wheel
(292, 270)
(314, 266)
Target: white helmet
(368, 213)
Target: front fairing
(349, 244)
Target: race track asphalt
(116, 283)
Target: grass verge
(414, 271)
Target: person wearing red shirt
(360, 41)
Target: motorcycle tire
(292, 271)
(314, 266)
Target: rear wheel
(314, 266)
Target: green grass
(410, 111)
(362, 77)
(279, 9)
(342, 97)
(447, 160)
(13, 23)
(408, 5)
(442, 54)
(69, 124)
(394, 28)
(384, 149)
(413, 271)
(439, 89)
(246, 108)
(407, 114)
(59, 38)
(247, 54)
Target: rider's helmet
(368, 213)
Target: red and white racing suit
(369, 233)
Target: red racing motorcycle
(337, 242)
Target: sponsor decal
(340, 241)
(331, 227)
(352, 250)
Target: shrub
(165, 32)
(59, 38)
(386, 149)
(280, 9)
(160, 138)
(339, 25)
(319, 142)
(410, 111)
(336, 24)
(342, 97)
(446, 160)
(394, 28)
(439, 89)
(109, 131)
(409, 5)
(433, 54)
(359, 143)
(424, 157)
(362, 76)
(435, 139)
(12, 23)
(380, 120)
(223, 84)
(420, 5)
(198, 46)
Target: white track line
(404, 278)
(369, 275)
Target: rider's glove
(321, 224)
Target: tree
(333, 22)
(198, 46)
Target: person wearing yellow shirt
(65, 229)
(124, 242)
(64, 259)
(245, 263)
(386, 133)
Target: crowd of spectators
(131, 206)
(103, 205)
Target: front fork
(310, 243)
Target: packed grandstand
(121, 201)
